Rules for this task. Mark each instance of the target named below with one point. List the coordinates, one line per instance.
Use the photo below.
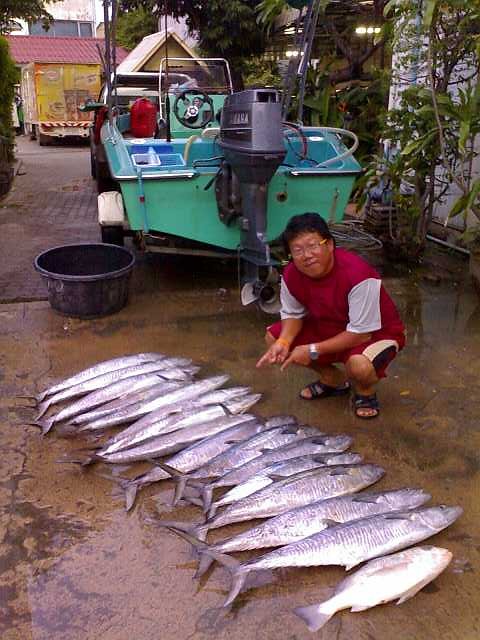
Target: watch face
(313, 352)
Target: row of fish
(305, 486)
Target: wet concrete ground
(75, 566)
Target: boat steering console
(198, 109)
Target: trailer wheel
(112, 235)
(43, 140)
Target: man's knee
(360, 368)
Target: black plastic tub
(86, 280)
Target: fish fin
(226, 409)
(367, 499)
(411, 592)
(313, 616)
(275, 477)
(233, 441)
(353, 564)
(291, 428)
(358, 607)
(328, 522)
(395, 516)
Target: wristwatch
(312, 351)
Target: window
(86, 30)
(59, 28)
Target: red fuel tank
(143, 118)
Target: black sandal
(321, 390)
(366, 402)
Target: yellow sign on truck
(53, 93)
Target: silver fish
(297, 439)
(100, 382)
(285, 468)
(197, 454)
(144, 395)
(295, 491)
(398, 576)
(99, 369)
(174, 441)
(250, 449)
(103, 395)
(166, 419)
(301, 522)
(171, 398)
(348, 544)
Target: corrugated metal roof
(24, 49)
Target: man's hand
(276, 354)
(299, 355)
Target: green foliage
(133, 26)
(357, 107)
(258, 72)
(8, 77)
(29, 10)
(225, 29)
(432, 131)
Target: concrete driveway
(75, 566)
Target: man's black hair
(305, 223)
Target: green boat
(222, 174)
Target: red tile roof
(25, 49)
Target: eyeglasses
(313, 247)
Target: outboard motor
(251, 137)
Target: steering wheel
(198, 105)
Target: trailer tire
(112, 234)
(43, 140)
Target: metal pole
(305, 59)
(108, 57)
(114, 49)
(167, 96)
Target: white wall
(84, 10)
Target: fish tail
(32, 405)
(45, 425)
(83, 457)
(179, 477)
(28, 396)
(131, 490)
(42, 409)
(239, 576)
(193, 500)
(207, 497)
(315, 616)
(212, 511)
(67, 430)
(203, 565)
